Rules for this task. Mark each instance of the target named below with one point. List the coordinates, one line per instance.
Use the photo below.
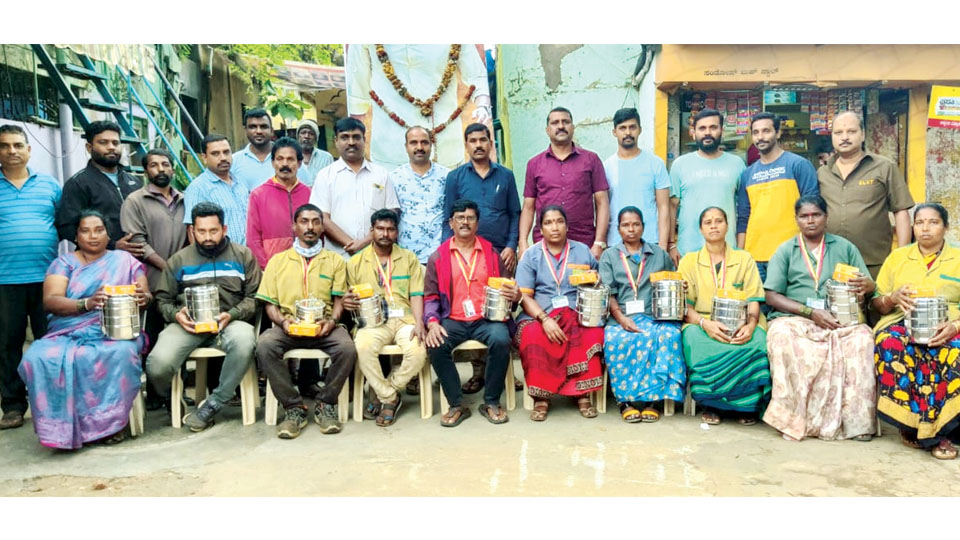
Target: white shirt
(351, 198)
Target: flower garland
(425, 106)
(437, 128)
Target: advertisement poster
(944, 107)
(440, 87)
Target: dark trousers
(17, 304)
(274, 343)
(495, 336)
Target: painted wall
(593, 81)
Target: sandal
(866, 437)
(909, 441)
(944, 450)
(650, 415)
(116, 438)
(485, 412)
(747, 420)
(710, 418)
(517, 385)
(372, 410)
(448, 420)
(388, 412)
(587, 410)
(473, 385)
(629, 413)
(539, 412)
(413, 387)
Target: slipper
(587, 410)
(650, 415)
(464, 414)
(710, 418)
(413, 387)
(866, 437)
(629, 413)
(539, 412)
(944, 450)
(747, 420)
(388, 412)
(909, 441)
(473, 385)
(485, 412)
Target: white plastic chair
(249, 394)
(472, 345)
(138, 410)
(426, 391)
(271, 404)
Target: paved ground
(566, 455)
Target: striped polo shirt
(28, 237)
(233, 198)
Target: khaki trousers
(369, 341)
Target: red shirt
(475, 290)
(571, 184)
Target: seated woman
(920, 384)
(725, 373)
(643, 355)
(559, 356)
(823, 383)
(80, 382)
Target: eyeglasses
(465, 219)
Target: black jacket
(90, 188)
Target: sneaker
(11, 419)
(202, 418)
(326, 415)
(294, 420)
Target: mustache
(286, 169)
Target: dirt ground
(564, 456)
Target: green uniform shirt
(787, 273)
(406, 276)
(288, 278)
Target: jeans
(17, 303)
(495, 336)
(275, 342)
(173, 346)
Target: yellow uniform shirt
(406, 276)
(289, 278)
(741, 274)
(907, 266)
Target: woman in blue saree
(81, 384)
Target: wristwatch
(806, 311)
(603, 245)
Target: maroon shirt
(571, 184)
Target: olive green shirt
(787, 273)
(406, 276)
(858, 206)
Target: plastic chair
(249, 394)
(426, 392)
(472, 345)
(272, 404)
(138, 410)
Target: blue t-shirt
(28, 237)
(700, 183)
(114, 177)
(633, 182)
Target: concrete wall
(593, 81)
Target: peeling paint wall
(593, 81)
(943, 174)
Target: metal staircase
(121, 113)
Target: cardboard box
(660, 276)
(499, 282)
(586, 278)
(304, 329)
(117, 290)
(732, 294)
(209, 327)
(363, 290)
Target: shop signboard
(944, 107)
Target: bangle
(81, 305)
(806, 311)
(700, 323)
(541, 316)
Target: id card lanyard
(563, 267)
(634, 283)
(386, 278)
(813, 271)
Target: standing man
(218, 185)
(494, 188)
(395, 274)
(28, 244)
(351, 190)
(212, 260)
(270, 215)
(768, 189)
(861, 188)
(153, 216)
(572, 178)
(637, 178)
(707, 177)
(419, 186)
(102, 185)
(251, 165)
(314, 159)
(454, 293)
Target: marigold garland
(425, 106)
(436, 129)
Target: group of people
(280, 221)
